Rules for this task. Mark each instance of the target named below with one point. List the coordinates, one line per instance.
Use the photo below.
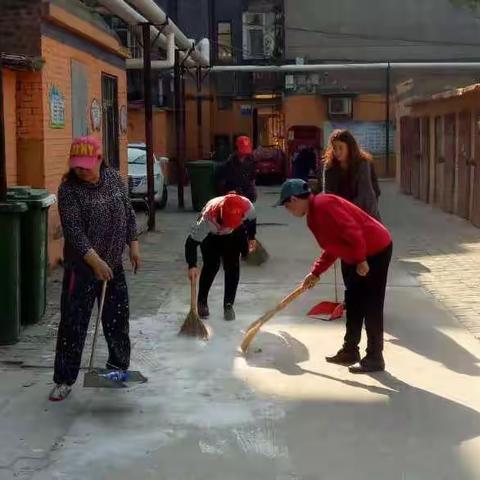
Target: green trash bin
(202, 182)
(34, 248)
(10, 221)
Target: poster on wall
(123, 120)
(96, 115)
(57, 108)
(371, 136)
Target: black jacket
(237, 176)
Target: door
(415, 157)
(110, 120)
(439, 156)
(464, 153)
(79, 99)
(405, 152)
(450, 154)
(424, 159)
(476, 174)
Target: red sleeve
(347, 231)
(323, 263)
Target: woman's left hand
(135, 259)
(252, 246)
(363, 269)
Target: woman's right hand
(100, 268)
(102, 271)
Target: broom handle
(284, 303)
(97, 324)
(193, 296)
(336, 286)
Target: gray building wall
(380, 30)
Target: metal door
(79, 99)
(439, 156)
(110, 120)
(450, 156)
(424, 159)
(475, 216)
(464, 154)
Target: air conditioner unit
(340, 106)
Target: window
(258, 35)
(340, 107)
(224, 41)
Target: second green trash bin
(202, 182)
(34, 251)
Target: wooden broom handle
(193, 295)
(284, 303)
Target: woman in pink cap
(98, 221)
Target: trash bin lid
(12, 207)
(33, 197)
(201, 164)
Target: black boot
(345, 357)
(203, 311)
(369, 364)
(229, 312)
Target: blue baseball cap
(294, 187)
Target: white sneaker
(59, 393)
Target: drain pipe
(138, 63)
(156, 15)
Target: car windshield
(137, 156)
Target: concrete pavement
(282, 413)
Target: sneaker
(345, 357)
(369, 365)
(203, 311)
(229, 312)
(59, 392)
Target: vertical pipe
(184, 121)
(3, 159)
(178, 133)
(199, 113)
(147, 98)
(387, 121)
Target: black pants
(224, 249)
(80, 290)
(364, 298)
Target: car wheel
(162, 202)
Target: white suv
(137, 175)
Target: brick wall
(20, 26)
(57, 71)
(9, 105)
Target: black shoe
(369, 365)
(203, 311)
(229, 312)
(345, 357)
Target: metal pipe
(3, 157)
(138, 63)
(148, 107)
(387, 122)
(347, 67)
(130, 16)
(156, 15)
(178, 132)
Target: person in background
(237, 174)
(304, 162)
(98, 222)
(225, 230)
(345, 231)
(348, 172)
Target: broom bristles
(194, 327)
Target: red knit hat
(233, 211)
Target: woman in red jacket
(365, 246)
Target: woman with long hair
(348, 172)
(98, 222)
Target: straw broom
(193, 326)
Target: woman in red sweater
(345, 231)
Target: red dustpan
(326, 310)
